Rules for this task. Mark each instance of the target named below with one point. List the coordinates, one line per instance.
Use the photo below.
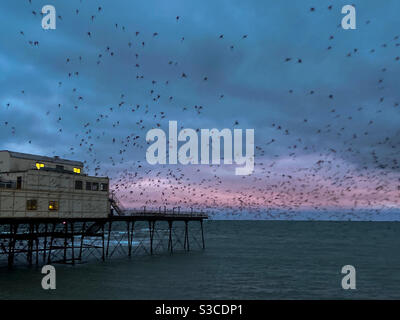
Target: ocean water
(242, 260)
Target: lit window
(31, 205)
(53, 205)
(39, 165)
(77, 170)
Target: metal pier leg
(131, 240)
(202, 234)
(109, 236)
(170, 244)
(151, 229)
(152, 236)
(51, 243)
(102, 238)
(81, 246)
(186, 244)
(11, 245)
(30, 244)
(72, 244)
(37, 244)
(45, 243)
(65, 241)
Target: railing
(117, 205)
(117, 202)
(8, 185)
(175, 212)
(167, 214)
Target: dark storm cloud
(253, 76)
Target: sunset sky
(323, 101)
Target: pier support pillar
(65, 241)
(130, 237)
(202, 235)
(108, 237)
(72, 244)
(51, 243)
(81, 244)
(151, 231)
(102, 239)
(37, 243)
(186, 243)
(11, 244)
(45, 242)
(170, 243)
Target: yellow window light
(39, 165)
(53, 205)
(77, 170)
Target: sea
(242, 260)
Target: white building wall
(4, 161)
(45, 186)
(13, 205)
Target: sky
(323, 101)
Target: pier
(40, 241)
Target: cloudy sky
(323, 101)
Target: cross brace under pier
(42, 241)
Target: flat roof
(57, 160)
(51, 170)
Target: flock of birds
(292, 172)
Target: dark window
(104, 187)
(78, 185)
(19, 182)
(88, 186)
(53, 205)
(5, 185)
(95, 186)
(31, 205)
(59, 168)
